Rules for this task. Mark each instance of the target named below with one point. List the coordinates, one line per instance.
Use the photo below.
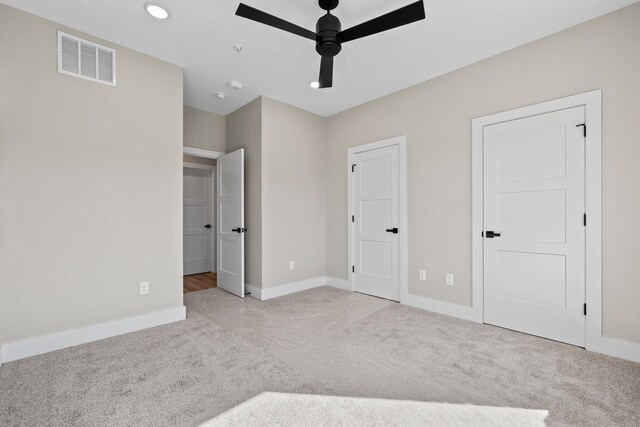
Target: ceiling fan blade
(326, 72)
(273, 21)
(405, 15)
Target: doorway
(377, 218)
(536, 219)
(199, 248)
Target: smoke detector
(220, 95)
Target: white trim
(401, 142)
(291, 288)
(334, 282)
(187, 165)
(264, 294)
(441, 307)
(616, 348)
(255, 292)
(201, 152)
(592, 101)
(59, 340)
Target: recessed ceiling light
(234, 84)
(314, 85)
(156, 11)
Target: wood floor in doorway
(200, 282)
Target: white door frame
(401, 142)
(213, 262)
(592, 101)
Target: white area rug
(287, 409)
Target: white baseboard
(264, 294)
(286, 289)
(441, 307)
(59, 340)
(616, 348)
(339, 283)
(255, 292)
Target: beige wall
(90, 186)
(436, 117)
(293, 194)
(244, 130)
(203, 129)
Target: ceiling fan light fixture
(156, 11)
(329, 35)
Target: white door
(196, 211)
(376, 206)
(230, 217)
(534, 265)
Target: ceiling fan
(329, 35)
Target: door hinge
(353, 168)
(585, 309)
(584, 129)
(353, 218)
(353, 268)
(584, 220)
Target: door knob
(392, 230)
(491, 234)
(207, 226)
(239, 230)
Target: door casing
(592, 101)
(401, 142)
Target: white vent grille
(85, 59)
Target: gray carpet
(323, 342)
(315, 410)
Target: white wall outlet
(144, 288)
(423, 275)
(292, 265)
(450, 279)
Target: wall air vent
(87, 60)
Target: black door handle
(392, 230)
(238, 230)
(207, 226)
(491, 234)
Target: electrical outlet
(292, 265)
(423, 275)
(144, 288)
(450, 279)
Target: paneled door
(196, 214)
(534, 233)
(376, 207)
(230, 219)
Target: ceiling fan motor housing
(327, 29)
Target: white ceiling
(200, 37)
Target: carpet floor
(234, 353)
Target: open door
(230, 218)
